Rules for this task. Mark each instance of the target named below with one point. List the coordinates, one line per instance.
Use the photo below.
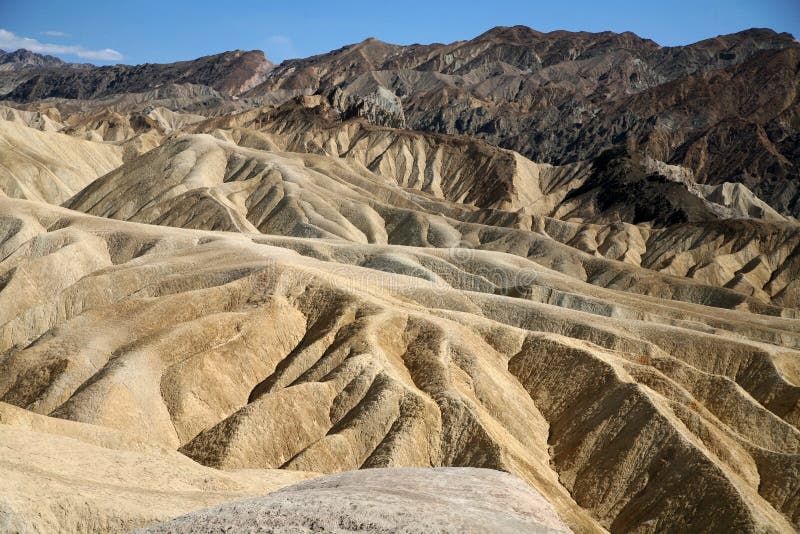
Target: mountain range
(573, 257)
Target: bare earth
(206, 298)
(453, 499)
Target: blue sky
(119, 31)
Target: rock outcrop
(383, 501)
(230, 72)
(22, 59)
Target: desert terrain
(550, 278)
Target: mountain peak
(516, 33)
(372, 42)
(22, 58)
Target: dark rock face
(20, 65)
(622, 189)
(229, 72)
(20, 59)
(725, 107)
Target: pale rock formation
(63, 476)
(48, 166)
(383, 501)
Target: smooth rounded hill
(384, 500)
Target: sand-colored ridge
(168, 327)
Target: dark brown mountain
(622, 188)
(725, 107)
(230, 72)
(736, 124)
(561, 97)
(20, 65)
(22, 58)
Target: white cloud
(280, 40)
(54, 34)
(10, 41)
(106, 54)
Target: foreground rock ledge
(385, 500)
